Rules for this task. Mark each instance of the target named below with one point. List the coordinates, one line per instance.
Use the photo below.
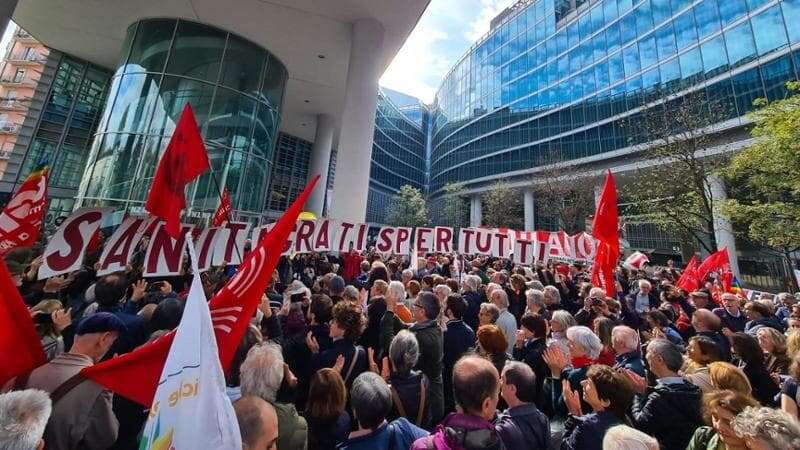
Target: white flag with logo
(636, 261)
(190, 410)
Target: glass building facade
(563, 76)
(236, 90)
(289, 173)
(398, 155)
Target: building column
(723, 229)
(530, 224)
(475, 211)
(353, 161)
(320, 162)
(7, 8)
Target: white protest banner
(394, 240)
(229, 246)
(352, 236)
(502, 245)
(325, 235)
(424, 240)
(190, 409)
(304, 236)
(164, 255)
(585, 246)
(466, 238)
(524, 253)
(119, 248)
(484, 242)
(204, 247)
(67, 247)
(444, 240)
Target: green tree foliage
(502, 207)
(456, 212)
(409, 209)
(765, 178)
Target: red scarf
(581, 362)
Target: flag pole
(219, 193)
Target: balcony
(22, 35)
(13, 104)
(34, 59)
(8, 128)
(5, 154)
(21, 82)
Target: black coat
(371, 336)
(669, 412)
(587, 432)
(531, 354)
(409, 389)
(326, 434)
(348, 349)
(458, 339)
(523, 427)
(474, 301)
(764, 389)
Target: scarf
(581, 362)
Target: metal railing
(8, 127)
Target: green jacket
(292, 428)
(705, 438)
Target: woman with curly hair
(767, 429)
(719, 408)
(345, 328)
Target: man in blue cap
(82, 416)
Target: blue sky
(446, 30)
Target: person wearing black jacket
(345, 329)
(531, 342)
(409, 387)
(376, 307)
(748, 354)
(522, 425)
(670, 411)
(469, 289)
(458, 339)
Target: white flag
(190, 409)
(636, 261)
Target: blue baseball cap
(101, 322)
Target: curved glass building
(236, 90)
(563, 75)
(398, 151)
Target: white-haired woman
(535, 304)
(559, 323)
(584, 348)
(409, 387)
(765, 428)
(623, 437)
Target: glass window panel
(730, 10)
(707, 17)
(613, 38)
(253, 191)
(624, 5)
(644, 18)
(691, 65)
(616, 69)
(230, 122)
(150, 46)
(747, 87)
(775, 74)
(609, 10)
(137, 94)
(196, 52)
(665, 39)
(741, 48)
(628, 28)
(118, 156)
(670, 73)
(661, 11)
(601, 75)
(647, 51)
(243, 64)
(274, 82)
(599, 44)
(631, 56)
(791, 13)
(597, 17)
(264, 132)
(755, 4)
(715, 59)
(769, 30)
(651, 79)
(679, 5)
(562, 42)
(175, 93)
(685, 30)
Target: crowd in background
(359, 351)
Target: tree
(567, 196)
(502, 207)
(765, 179)
(409, 209)
(455, 210)
(673, 190)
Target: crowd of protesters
(360, 351)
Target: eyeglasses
(417, 305)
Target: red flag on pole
(605, 228)
(22, 349)
(224, 211)
(716, 261)
(21, 219)
(135, 375)
(688, 280)
(184, 160)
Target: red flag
(605, 228)
(716, 261)
(223, 212)
(688, 280)
(21, 220)
(184, 160)
(135, 375)
(22, 349)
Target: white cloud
(489, 9)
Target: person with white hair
(766, 429)
(409, 387)
(23, 418)
(261, 376)
(552, 297)
(506, 321)
(625, 341)
(594, 306)
(559, 323)
(584, 348)
(535, 303)
(623, 437)
(469, 290)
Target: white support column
(530, 225)
(320, 162)
(598, 191)
(353, 161)
(7, 8)
(723, 229)
(475, 211)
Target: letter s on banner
(67, 247)
(386, 240)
